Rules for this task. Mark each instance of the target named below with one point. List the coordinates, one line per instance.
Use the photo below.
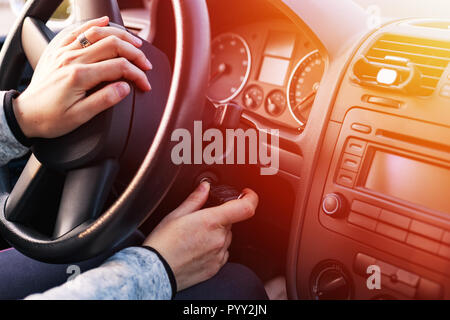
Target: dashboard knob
(331, 282)
(333, 204)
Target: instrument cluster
(272, 69)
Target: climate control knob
(331, 282)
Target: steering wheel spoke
(35, 38)
(37, 184)
(85, 193)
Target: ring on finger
(83, 40)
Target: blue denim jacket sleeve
(131, 274)
(10, 148)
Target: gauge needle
(221, 70)
(307, 98)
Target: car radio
(388, 187)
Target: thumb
(234, 211)
(194, 202)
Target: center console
(381, 193)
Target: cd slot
(413, 140)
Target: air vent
(430, 57)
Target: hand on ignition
(195, 242)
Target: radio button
(351, 162)
(426, 230)
(422, 243)
(446, 238)
(395, 219)
(366, 209)
(346, 178)
(444, 251)
(356, 147)
(362, 221)
(391, 232)
(361, 128)
(333, 204)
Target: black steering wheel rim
(156, 173)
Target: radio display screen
(411, 180)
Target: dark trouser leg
(233, 282)
(21, 276)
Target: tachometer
(304, 84)
(230, 67)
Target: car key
(220, 194)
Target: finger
(95, 34)
(70, 38)
(225, 257)
(194, 202)
(109, 48)
(92, 75)
(228, 240)
(234, 211)
(99, 101)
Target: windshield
(400, 9)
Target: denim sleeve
(10, 148)
(131, 274)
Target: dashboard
(373, 177)
(270, 68)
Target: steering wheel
(69, 180)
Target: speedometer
(304, 84)
(230, 67)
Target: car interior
(362, 115)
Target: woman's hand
(195, 243)
(56, 102)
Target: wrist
(9, 108)
(20, 115)
(169, 270)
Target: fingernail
(204, 186)
(138, 41)
(123, 89)
(149, 86)
(148, 64)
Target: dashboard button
(426, 230)
(333, 204)
(351, 162)
(444, 251)
(428, 290)
(366, 209)
(361, 128)
(356, 147)
(346, 178)
(395, 219)
(408, 278)
(422, 243)
(391, 232)
(400, 287)
(446, 238)
(362, 262)
(387, 269)
(445, 91)
(362, 221)
(384, 102)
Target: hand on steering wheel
(67, 72)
